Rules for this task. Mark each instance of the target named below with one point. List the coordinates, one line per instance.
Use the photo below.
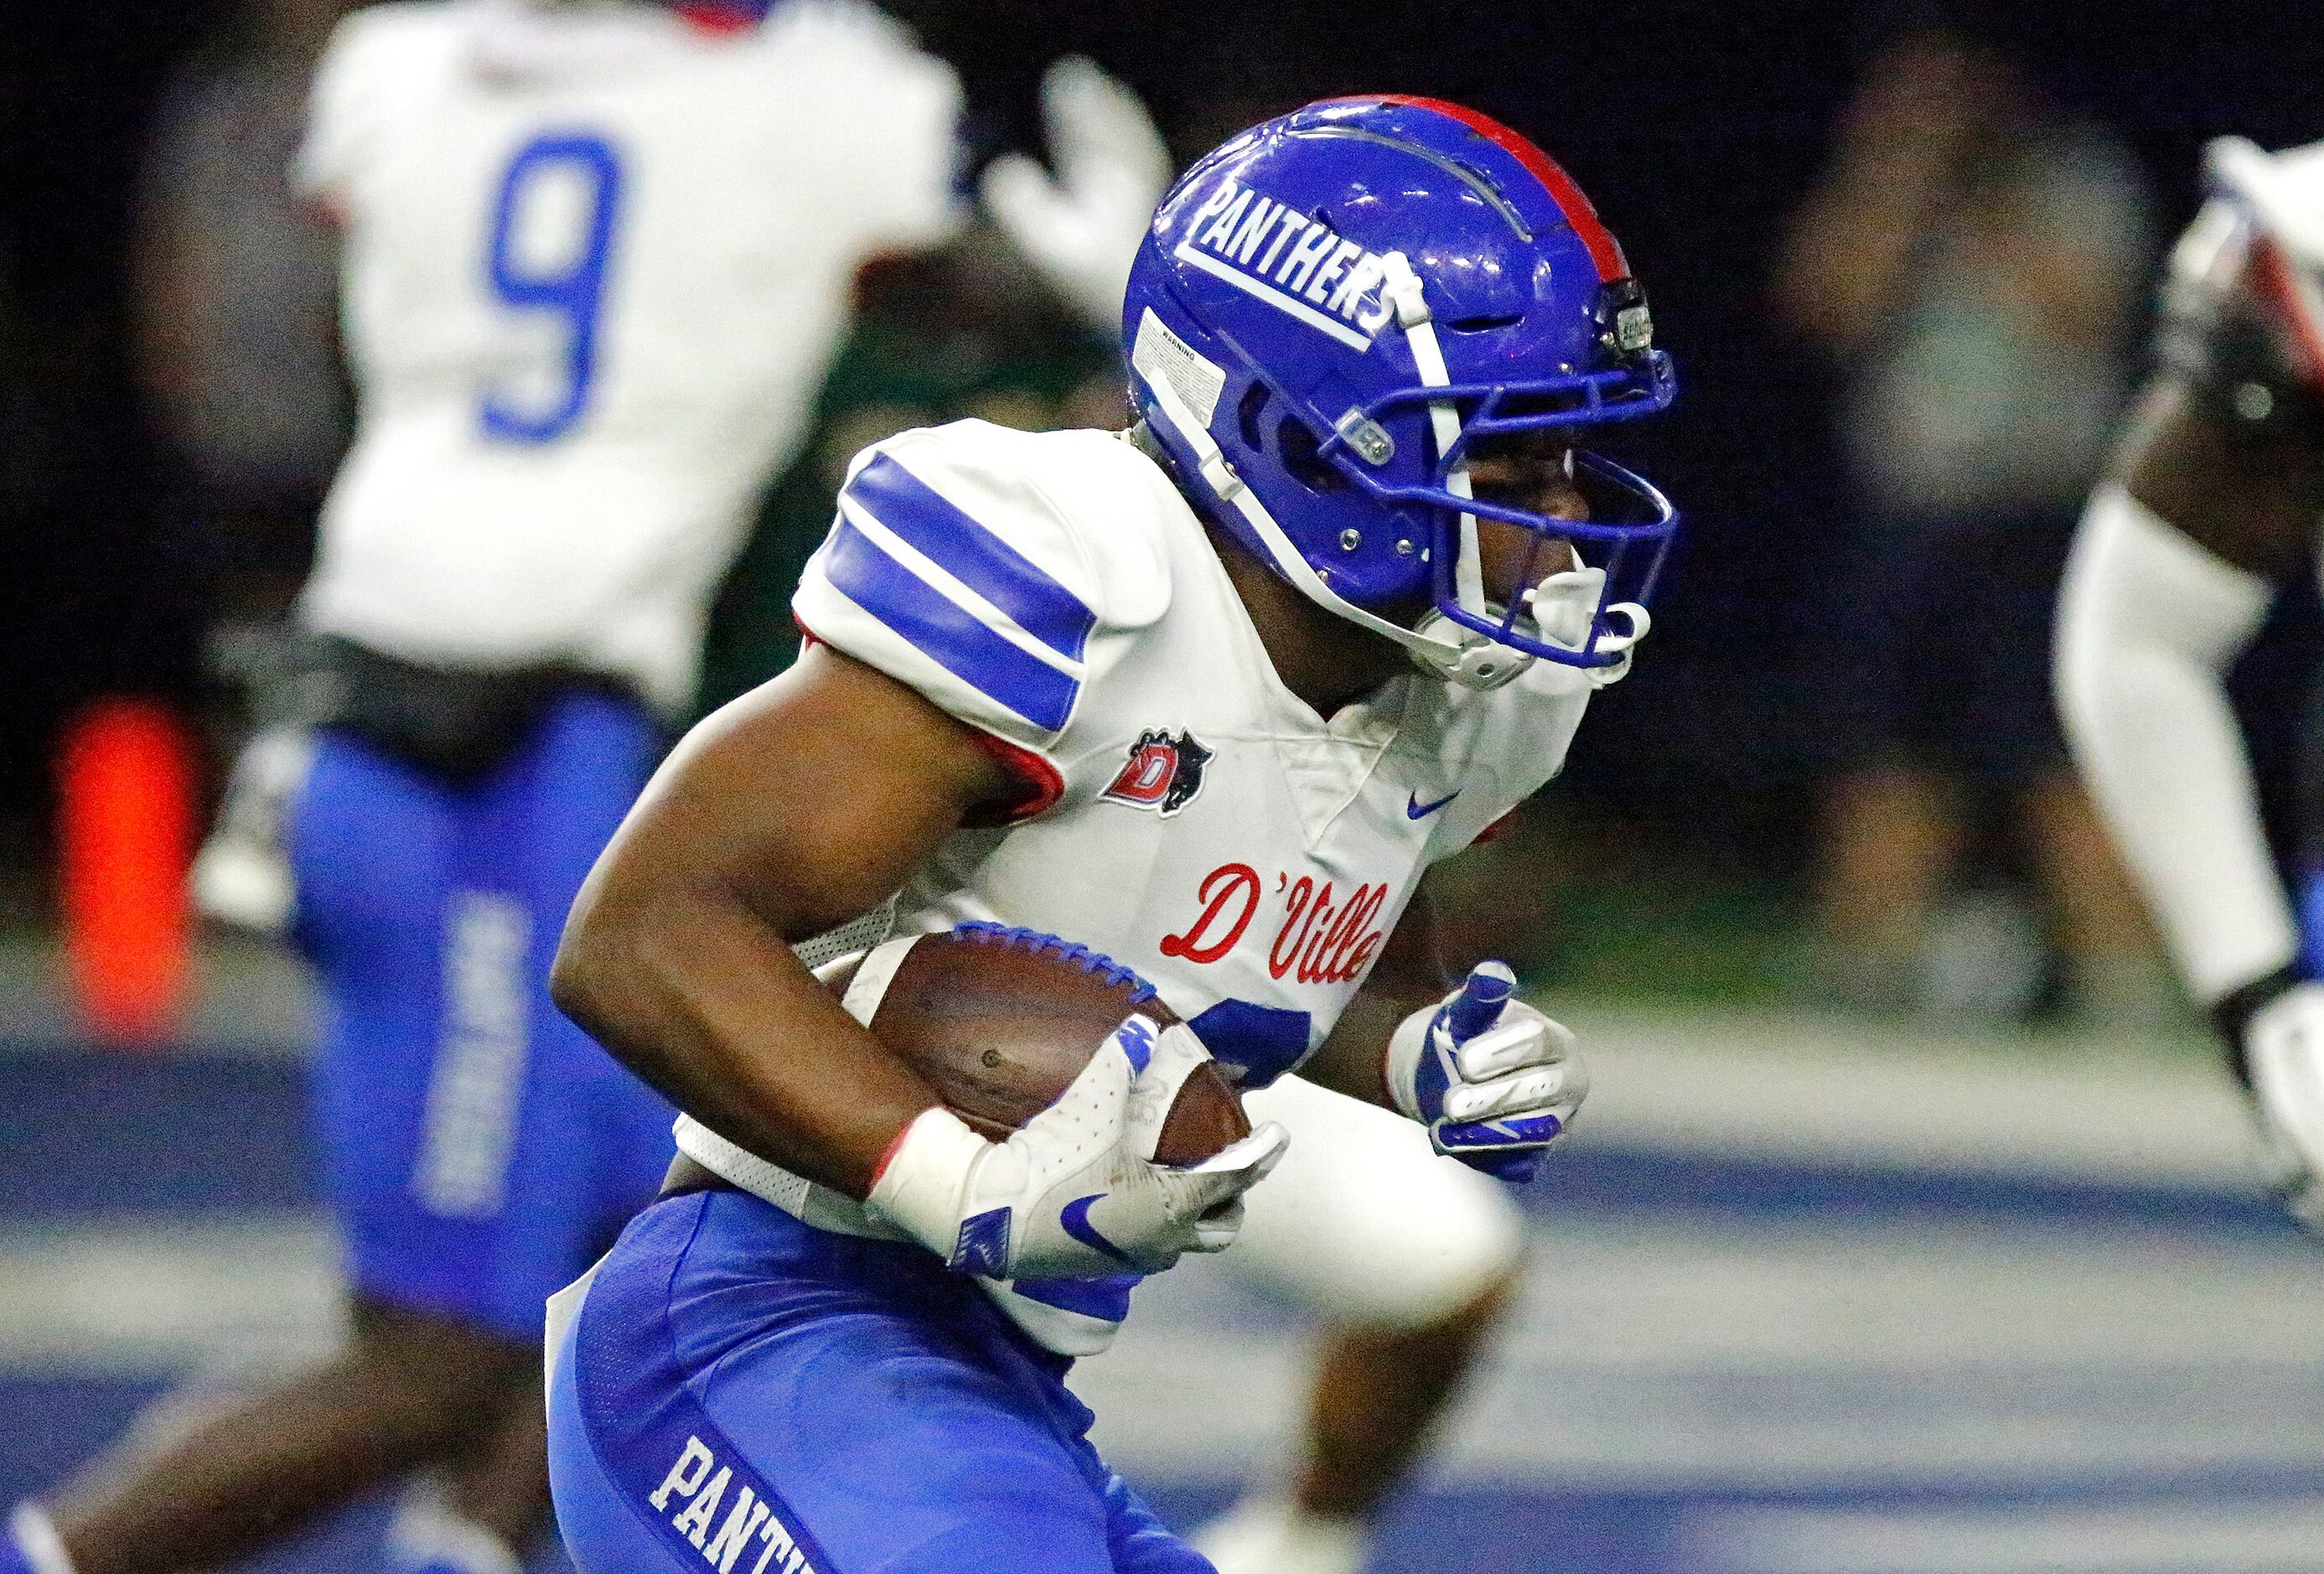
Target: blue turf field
(1795, 1309)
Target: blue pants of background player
(477, 1148)
(740, 1393)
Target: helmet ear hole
(1298, 447)
(1247, 412)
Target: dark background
(1695, 128)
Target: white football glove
(1082, 228)
(1562, 606)
(2282, 1053)
(1074, 1192)
(241, 875)
(1492, 1079)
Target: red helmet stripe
(1604, 249)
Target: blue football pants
(740, 1393)
(476, 1148)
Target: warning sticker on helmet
(1161, 356)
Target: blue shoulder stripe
(945, 633)
(973, 554)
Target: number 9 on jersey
(551, 238)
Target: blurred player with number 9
(596, 259)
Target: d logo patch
(1163, 773)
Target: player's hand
(1082, 227)
(241, 875)
(2283, 1053)
(1074, 1192)
(1492, 1079)
(1564, 604)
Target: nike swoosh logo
(1075, 1216)
(1414, 809)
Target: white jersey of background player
(561, 223)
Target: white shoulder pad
(997, 572)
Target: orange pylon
(125, 840)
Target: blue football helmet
(1328, 309)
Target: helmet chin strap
(1480, 663)
(1402, 286)
(1439, 647)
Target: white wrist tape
(1405, 1048)
(922, 1187)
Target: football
(999, 1021)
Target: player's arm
(2213, 504)
(2155, 607)
(790, 811)
(1492, 1079)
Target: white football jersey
(1196, 820)
(596, 264)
